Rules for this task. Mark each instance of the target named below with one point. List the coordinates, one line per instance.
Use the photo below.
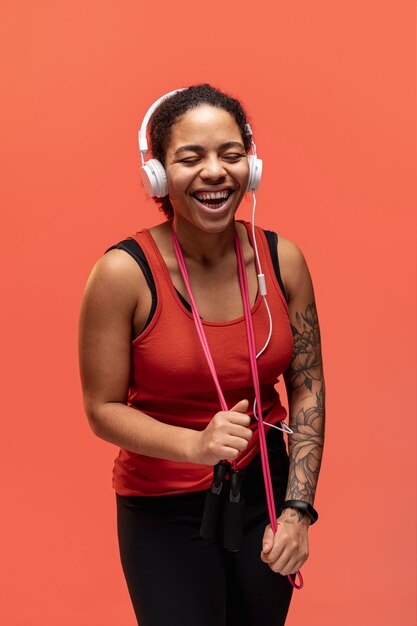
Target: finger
(290, 568)
(277, 550)
(239, 419)
(299, 563)
(268, 540)
(273, 551)
(289, 562)
(240, 431)
(241, 407)
(239, 443)
(229, 453)
(283, 564)
(232, 447)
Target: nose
(213, 169)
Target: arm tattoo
(305, 366)
(306, 397)
(295, 514)
(305, 447)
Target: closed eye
(233, 157)
(190, 160)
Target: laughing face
(207, 169)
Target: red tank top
(171, 381)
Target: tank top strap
(164, 286)
(153, 256)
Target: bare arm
(115, 295)
(287, 550)
(116, 290)
(304, 380)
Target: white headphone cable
(263, 292)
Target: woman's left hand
(287, 550)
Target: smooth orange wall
(330, 87)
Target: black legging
(176, 578)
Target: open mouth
(213, 199)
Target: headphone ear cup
(255, 172)
(154, 178)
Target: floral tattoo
(306, 363)
(306, 396)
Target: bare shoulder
(289, 252)
(293, 266)
(116, 279)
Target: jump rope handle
(224, 501)
(209, 523)
(233, 513)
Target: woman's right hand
(226, 435)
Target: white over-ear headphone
(153, 172)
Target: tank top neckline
(174, 293)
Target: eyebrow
(196, 148)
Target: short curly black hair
(172, 109)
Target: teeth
(215, 206)
(210, 195)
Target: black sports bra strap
(132, 247)
(272, 239)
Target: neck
(204, 247)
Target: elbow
(102, 417)
(95, 421)
(95, 427)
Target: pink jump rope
(254, 368)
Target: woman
(148, 388)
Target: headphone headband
(152, 171)
(143, 142)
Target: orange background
(330, 88)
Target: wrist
(301, 507)
(295, 515)
(192, 446)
